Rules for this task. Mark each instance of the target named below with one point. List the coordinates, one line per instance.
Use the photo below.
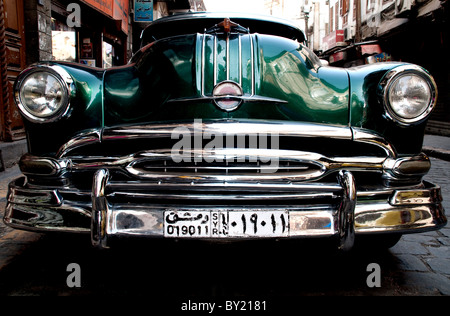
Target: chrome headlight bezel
(64, 80)
(387, 84)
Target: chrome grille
(307, 152)
(226, 164)
(248, 167)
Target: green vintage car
(225, 127)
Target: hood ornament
(226, 27)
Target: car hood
(173, 79)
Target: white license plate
(226, 223)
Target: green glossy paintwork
(263, 65)
(288, 71)
(166, 70)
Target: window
(63, 42)
(345, 4)
(331, 19)
(336, 20)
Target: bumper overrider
(224, 194)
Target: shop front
(101, 38)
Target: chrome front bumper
(130, 193)
(99, 213)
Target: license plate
(226, 223)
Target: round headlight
(409, 94)
(42, 94)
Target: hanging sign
(143, 10)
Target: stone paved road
(35, 264)
(424, 259)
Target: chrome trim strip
(230, 127)
(252, 64)
(220, 197)
(416, 196)
(346, 211)
(100, 209)
(80, 140)
(365, 136)
(203, 64)
(301, 189)
(228, 56)
(240, 60)
(44, 219)
(37, 198)
(253, 98)
(384, 218)
(215, 61)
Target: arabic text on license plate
(224, 223)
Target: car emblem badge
(228, 95)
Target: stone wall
(38, 30)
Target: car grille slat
(299, 167)
(169, 167)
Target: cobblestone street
(425, 258)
